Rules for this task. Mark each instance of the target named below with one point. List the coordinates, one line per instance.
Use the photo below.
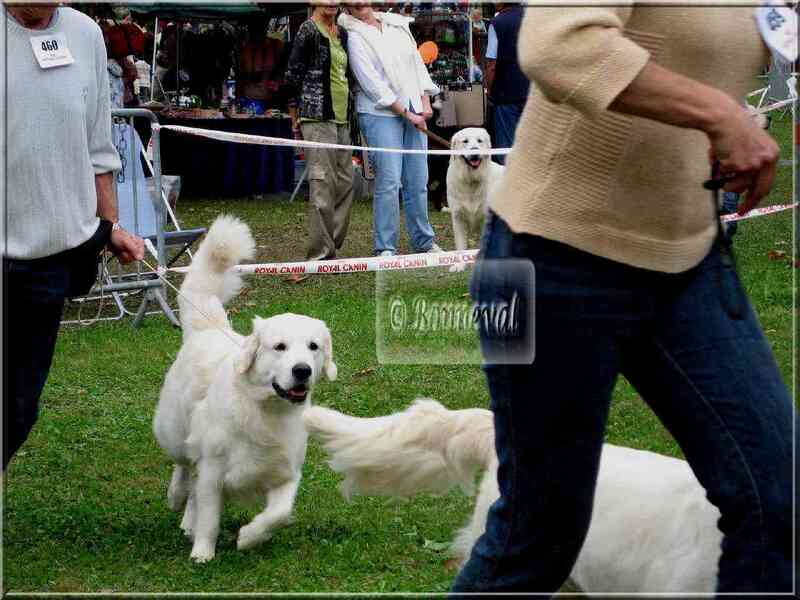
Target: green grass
(85, 503)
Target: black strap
(730, 294)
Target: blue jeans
(393, 171)
(730, 202)
(710, 377)
(506, 118)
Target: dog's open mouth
(297, 394)
(474, 161)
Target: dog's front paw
(251, 535)
(203, 551)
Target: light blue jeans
(393, 171)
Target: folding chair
(142, 209)
(137, 204)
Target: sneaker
(434, 248)
(385, 253)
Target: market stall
(221, 67)
(452, 40)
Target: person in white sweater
(393, 102)
(60, 197)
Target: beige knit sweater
(625, 188)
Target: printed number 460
(50, 45)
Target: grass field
(85, 503)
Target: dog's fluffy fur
(652, 530)
(229, 415)
(469, 181)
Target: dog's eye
(279, 347)
(313, 346)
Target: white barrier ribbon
(771, 107)
(359, 265)
(409, 261)
(262, 140)
(758, 212)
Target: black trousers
(33, 301)
(32, 307)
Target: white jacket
(387, 64)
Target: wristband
(115, 226)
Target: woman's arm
(296, 70)
(368, 72)
(581, 57)
(743, 149)
(429, 88)
(427, 111)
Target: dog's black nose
(301, 372)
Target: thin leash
(157, 271)
(101, 272)
(438, 139)
(729, 296)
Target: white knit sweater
(58, 132)
(387, 64)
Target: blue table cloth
(211, 168)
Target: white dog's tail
(211, 282)
(426, 448)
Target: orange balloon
(429, 52)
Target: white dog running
(652, 529)
(470, 179)
(231, 405)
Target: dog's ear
(244, 361)
(330, 368)
(453, 145)
(484, 132)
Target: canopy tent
(179, 12)
(187, 11)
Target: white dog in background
(652, 529)
(470, 178)
(230, 409)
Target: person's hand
(747, 156)
(427, 111)
(126, 246)
(416, 120)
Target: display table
(211, 168)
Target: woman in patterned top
(319, 77)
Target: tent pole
(153, 64)
(178, 61)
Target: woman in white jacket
(393, 102)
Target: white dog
(470, 178)
(230, 409)
(652, 529)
